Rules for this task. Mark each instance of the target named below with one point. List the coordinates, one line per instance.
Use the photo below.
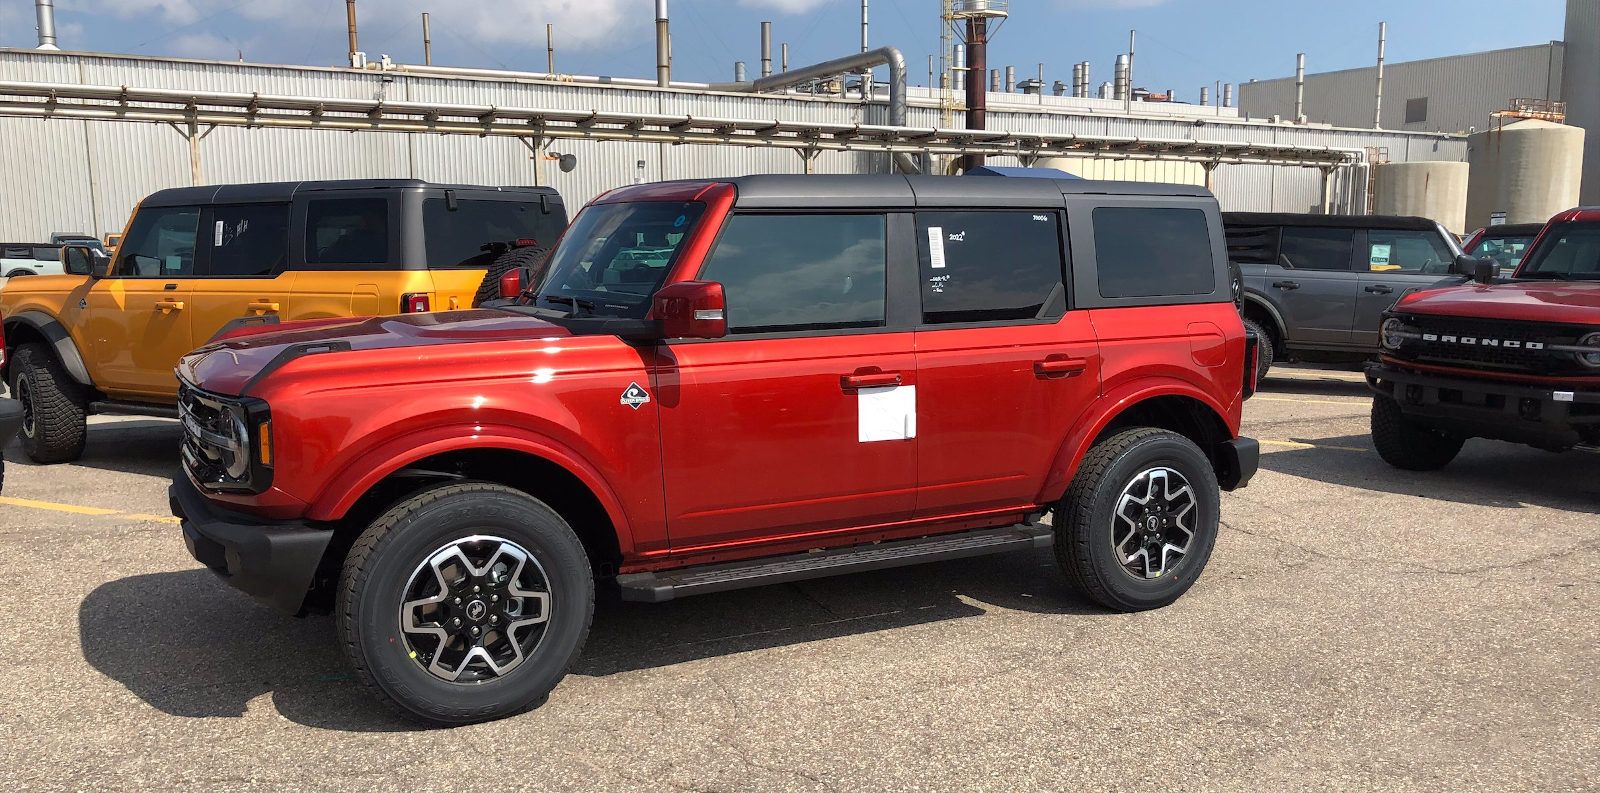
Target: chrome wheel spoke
(1152, 524)
(473, 609)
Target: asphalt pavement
(1358, 627)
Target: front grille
(1501, 345)
(209, 438)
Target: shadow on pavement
(189, 646)
(1487, 473)
(144, 446)
(1318, 387)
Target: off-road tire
(1407, 445)
(531, 257)
(58, 403)
(1084, 518)
(382, 561)
(1266, 343)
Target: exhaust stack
(46, 10)
(663, 60)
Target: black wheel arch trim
(1252, 298)
(60, 340)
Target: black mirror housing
(1486, 271)
(84, 260)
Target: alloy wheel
(475, 609)
(25, 396)
(1153, 523)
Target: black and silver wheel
(465, 603)
(54, 407)
(1407, 445)
(1138, 523)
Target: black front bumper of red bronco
(1536, 415)
(272, 561)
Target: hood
(1562, 302)
(229, 367)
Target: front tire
(54, 406)
(1139, 521)
(465, 603)
(1406, 444)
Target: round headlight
(1393, 333)
(1590, 359)
(237, 462)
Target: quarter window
(347, 231)
(1317, 249)
(247, 241)
(1153, 252)
(801, 272)
(457, 237)
(160, 244)
(990, 266)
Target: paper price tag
(936, 247)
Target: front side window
(990, 266)
(615, 256)
(458, 237)
(801, 272)
(1153, 252)
(1570, 252)
(347, 231)
(160, 245)
(1317, 249)
(247, 241)
(1406, 252)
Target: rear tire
(54, 406)
(1267, 344)
(405, 653)
(1103, 527)
(531, 259)
(1405, 444)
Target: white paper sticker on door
(936, 247)
(887, 414)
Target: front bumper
(1507, 411)
(1238, 461)
(272, 561)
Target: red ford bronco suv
(1515, 360)
(719, 384)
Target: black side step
(119, 408)
(670, 584)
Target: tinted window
(1149, 252)
(801, 272)
(347, 231)
(1570, 251)
(1252, 244)
(1407, 251)
(1317, 249)
(615, 256)
(248, 240)
(49, 253)
(983, 266)
(160, 244)
(1505, 250)
(456, 238)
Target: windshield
(615, 256)
(1570, 251)
(1507, 251)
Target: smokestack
(1011, 79)
(1120, 78)
(427, 41)
(994, 81)
(1107, 91)
(549, 48)
(663, 60)
(1083, 88)
(958, 78)
(350, 21)
(1299, 88)
(738, 71)
(766, 49)
(1227, 94)
(1127, 80)
(1377, 109)
(786, 56)
(977, 62)
(46, 11)
(1205, 96)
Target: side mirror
(84, 260)
(511, 284)
(1481, 270)
(691, 310)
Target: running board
(120, 408)
(704, 579)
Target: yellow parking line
(53, 506)
(1312, 401)
(1300, 445)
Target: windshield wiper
(575, 302)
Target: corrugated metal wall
(1461, 90)
(87, 176)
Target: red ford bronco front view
(1515, 360)
(720, 384)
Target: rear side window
(247, 241)
(347, 231)
(801, 272)
(161, 244)
(1252, 244)
(990, 266)
(1407, 252)
(1317, 249)
(1150, 252)
(456, 238)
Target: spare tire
(531, 259)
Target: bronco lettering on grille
(1478, 341)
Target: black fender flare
(1253, 299)
(59, 339)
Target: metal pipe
(663, 60)
(958, 80)
(1299, 88)
(994, 81)
(1120, 79)
(1011, 79)
(1205, 96)
(350, 22)
(738, 71)
(550, 48)
(45, 10)
(863, 25)
(427, 41)
(785, 50)
(977, 62)
(766, 49)
(1127, 95)
(1377, 109)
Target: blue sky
(1183, 44)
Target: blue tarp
(1025, 173)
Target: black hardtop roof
(284, 191)
(1398, 222)
(896, 191)
(1513, 230)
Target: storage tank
(1529, 170)
(1434, 190)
